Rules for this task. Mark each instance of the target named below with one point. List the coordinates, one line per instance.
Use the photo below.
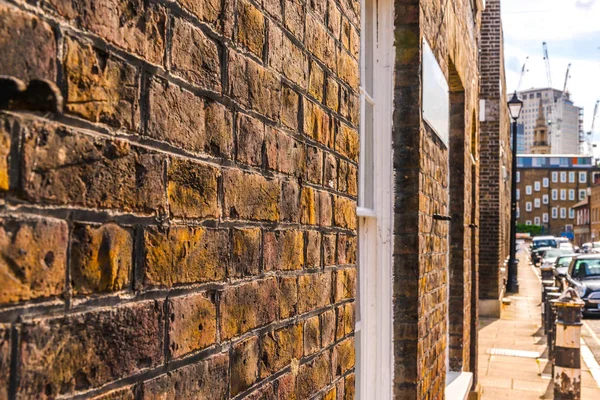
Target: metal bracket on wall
(38, 95)
(440, 217)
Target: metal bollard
(567, 358)
(551, 325)
(547, 287)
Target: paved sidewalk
(520, 376)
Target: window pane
(369, 46)
(367, 158)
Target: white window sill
(458, 385)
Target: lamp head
(515, 105)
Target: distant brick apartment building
(582, 228)
(549, 186)
(190, 225)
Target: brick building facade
(495, 159)
(548, 188)
(187, 227)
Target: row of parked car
(573, 267)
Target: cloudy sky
(571, 28)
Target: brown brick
(273, 8)
(331, 171)
(180, 255)
(207, 379)
(347, 142)
(313, 249)
(286, 57)
(244, 365)
(100, 88)
(348, 69)
(194, 124)
(286, 387)
(328, 321)
(348, 178)
(334, 19)
(289, 108)
(279, 348)
(314, 163)
(248, 306)
(345, 320)
(349, 387)
(342, 358)
(195, 57)
(349, 105)
(287, 296)
(317, 124)
(61, 166)
(245, 250)
(251, 135)
(283, 250)
(6, 127)
(344, 212)
(285, 154)
(345, 284)
(314, 291)
(4, 360)
(264, 392)
(329, 249)
(250, 196)
(333, 93)
(82, 351)
(192, 189)
(313, 376)
(331, 394)
(294, 17)
(308, 206)
(250, 28)
(290, 201)
(32, 258)
(206, 11)
(346, 249)
(319, 43)
(193, 323)
(101, 258)
(254, 86)
(28, 45)
(135, 25)
(316, 84)
(318, 8)
(325, 210)
(312, 335)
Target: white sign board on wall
(436, 100)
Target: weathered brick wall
(495, 153)
(187, 228)
(432, 178)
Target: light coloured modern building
(565, 122)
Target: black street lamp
(515, 105)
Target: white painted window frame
(554, 177)
(545, 182)
(545, 199)
(536, 186)
(584, 176)
(374, 324)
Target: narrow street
(513, 359)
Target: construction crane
(522, 73)
(548, 72)
(566, 80)
(591, 131)
(561, 101)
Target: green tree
(533, 230)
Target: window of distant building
(545, 199)
(528, 206)
(555, 177)
(571, 194)
(536, 203)
(545, 182)
(528, 189)
(518, 176)
(518, 212)
(536, 186)
(563, 213)
(536, 221)
(518, 194)
(582, 177)
(563, 177)
(554, 213)
(582, 194)
(563, 194)
(571, 176)
(571, 213)
(545, 217)
(554, 194)
(528, 222)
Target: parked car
(561, 266)
(549, 256)
(596, 247)
(586, 248)
(539, 243)
(584, 276)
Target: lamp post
(515, 105)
